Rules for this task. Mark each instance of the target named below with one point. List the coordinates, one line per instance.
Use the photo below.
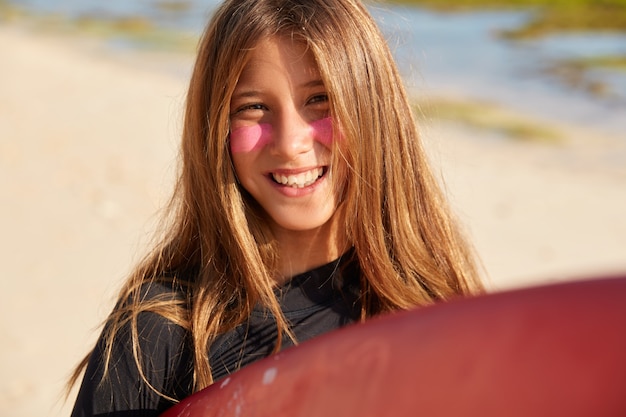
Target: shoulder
(147, 327)
(155, 315)
(142, 358)
(165, 290)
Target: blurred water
(171, 14)
(460, 54)
(456, 54)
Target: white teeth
(301, 180)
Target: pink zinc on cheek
(323, 131)
(255, 137)
(249, 138)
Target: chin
(299, 226)
(302, 223)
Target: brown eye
(320, 98)
(254, 106)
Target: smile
(301, 180)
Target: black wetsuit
(315, 302)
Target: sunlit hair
(217, 246)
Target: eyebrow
(255, 93)
(313, 83)
(246, 94)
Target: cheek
(255, 137)
(250, 138)
(323, 131)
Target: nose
(293, 135)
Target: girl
(304, 203)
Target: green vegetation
(610, 62)
(489, 118)
(138, 30)
(550, 15)
(9, 12)
(173, 6)
(577, 74)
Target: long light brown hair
(406, 242)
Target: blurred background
(522, 105)
(531, 55)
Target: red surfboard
(557, 350)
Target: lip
(294, 191)
(295, 171)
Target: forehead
(279, 56)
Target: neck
(301, 251)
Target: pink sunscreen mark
(250, 138)
(323, 131)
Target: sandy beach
(88, 148)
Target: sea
(441, 54)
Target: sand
(88, 147)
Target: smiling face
(281, 138)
